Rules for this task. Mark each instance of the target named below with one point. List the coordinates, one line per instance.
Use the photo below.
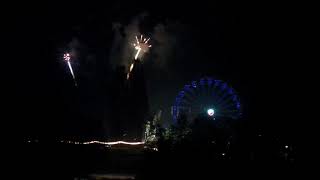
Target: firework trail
(67, 58)
(142, 46)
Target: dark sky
(245, 44)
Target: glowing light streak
(137, 54)
(131, 67)
(114, 143)
(67, 58)
(70, 67)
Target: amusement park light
(210, 112)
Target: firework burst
(142, 46)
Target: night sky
(244, 44)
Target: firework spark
(130, 69)
(67, 58)
(142, 46)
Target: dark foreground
(61, 161)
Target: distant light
(210, 112)
(66, 57)
(114, 143)
(286, 147)
(223, 154)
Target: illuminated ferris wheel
(213, 98)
